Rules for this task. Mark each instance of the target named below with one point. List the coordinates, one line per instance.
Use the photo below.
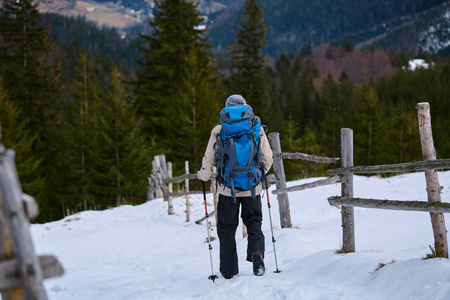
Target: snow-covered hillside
(437, 36)
(140, 253)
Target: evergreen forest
(86, 109)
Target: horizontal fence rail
(181, 178)
(441, 207)
(180, 194)
(310, 185)
(440, 164)
(307, 157)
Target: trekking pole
(271, 228)
(210, 277)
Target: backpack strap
(233, 191)
(250, 182)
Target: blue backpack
(239, 162)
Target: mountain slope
(428, 30)
(294, 23)
(141, 253)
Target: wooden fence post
(170, 188)
(186, 185)
(348, 218)
(278, 169)
(160, 172)
(432, 180)
(151, 188)
(29, 267)
(156, 177)
(7, 251)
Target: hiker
(235, 193)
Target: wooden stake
(431, 177)
(186, 184)
(170, 189)
(30, 269)
(278, 169)
(348, 218)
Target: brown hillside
(334, 60)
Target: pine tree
(196, 110)
(121, 158)
(29, 77)
(346, 102)
(368, 127)
(290, 143)
(403, 135)
(332, 122)
(288, 89)
(79, 140)
(175, 89)
(14, 135)
(162, 70)
(248, 68)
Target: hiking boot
(228, 276)
(258, 264)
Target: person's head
(234, 100)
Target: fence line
(344, 175)
(429, 165)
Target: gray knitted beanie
(234, 100)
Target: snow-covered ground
(141, 252)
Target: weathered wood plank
(29, 267)
(441, 207)
(310, 185)
(7, 250)
(307, 157)
(30, 206)
(181, 178)
(271, 178)
(157, 177)
(348, 215)
(180, 194)
(50, 266)
(442, 164)
(432, 180)
(278, 169)
(169, 190)
(10, 275)
(186, 188)
(204, 218)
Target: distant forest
(85, 81)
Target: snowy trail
(142, 253)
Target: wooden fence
(161, 183)
(21, 271)
(344, 175)
(429, 165)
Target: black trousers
(228, 220)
